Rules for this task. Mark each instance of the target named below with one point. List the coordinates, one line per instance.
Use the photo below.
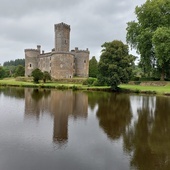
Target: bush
(147, 79)
(97, 83)
(37, 75)
(61, 87)
(90, 81)
(75, 88)
(135, 79)
(46, 76)
(137, 82)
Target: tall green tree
(2, 72)
(115, 65)
(93, 67)
(19, 71)
(152, 15)
(161, 42)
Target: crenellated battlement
(76, 50)
(61, 25)
(33, 50)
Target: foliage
(10, 70)
(136, 73)
(93, 67)
(90, 81)
(7, 72)
(113, 118)
(115, 65)
(161, 42)
(46, 76)
(75, 88)
(19, 71)
(37, 75)
(15, 62)
(2, 72)
(152, 15)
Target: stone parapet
(61, 25)
(76, 50)
(34, 50)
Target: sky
(28, 23)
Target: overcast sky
(27, 23)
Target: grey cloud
(26, 23)
(19, 8)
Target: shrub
(75, 88)
(46, 76)
(37, 75)
(90, 81)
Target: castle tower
(31, 60)
(62, 37)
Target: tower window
(84, 61)
(30, 65)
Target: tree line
(14, 63)
(12, 68)
(150, 36)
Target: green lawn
(60, 85)
(139, 88)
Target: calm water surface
(52, 129)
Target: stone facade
(60, 62)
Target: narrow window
(84, 61)
(30, 65)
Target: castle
(61, 63)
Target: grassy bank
(149, 89)
(56, 85)
(75, 84)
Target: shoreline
(124, 88)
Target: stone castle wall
(60, 63)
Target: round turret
(31, 60)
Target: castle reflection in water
(60, 104)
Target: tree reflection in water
(114, 114)
(148, 140)
(143, 122)
(15, 92)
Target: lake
(43, 129)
